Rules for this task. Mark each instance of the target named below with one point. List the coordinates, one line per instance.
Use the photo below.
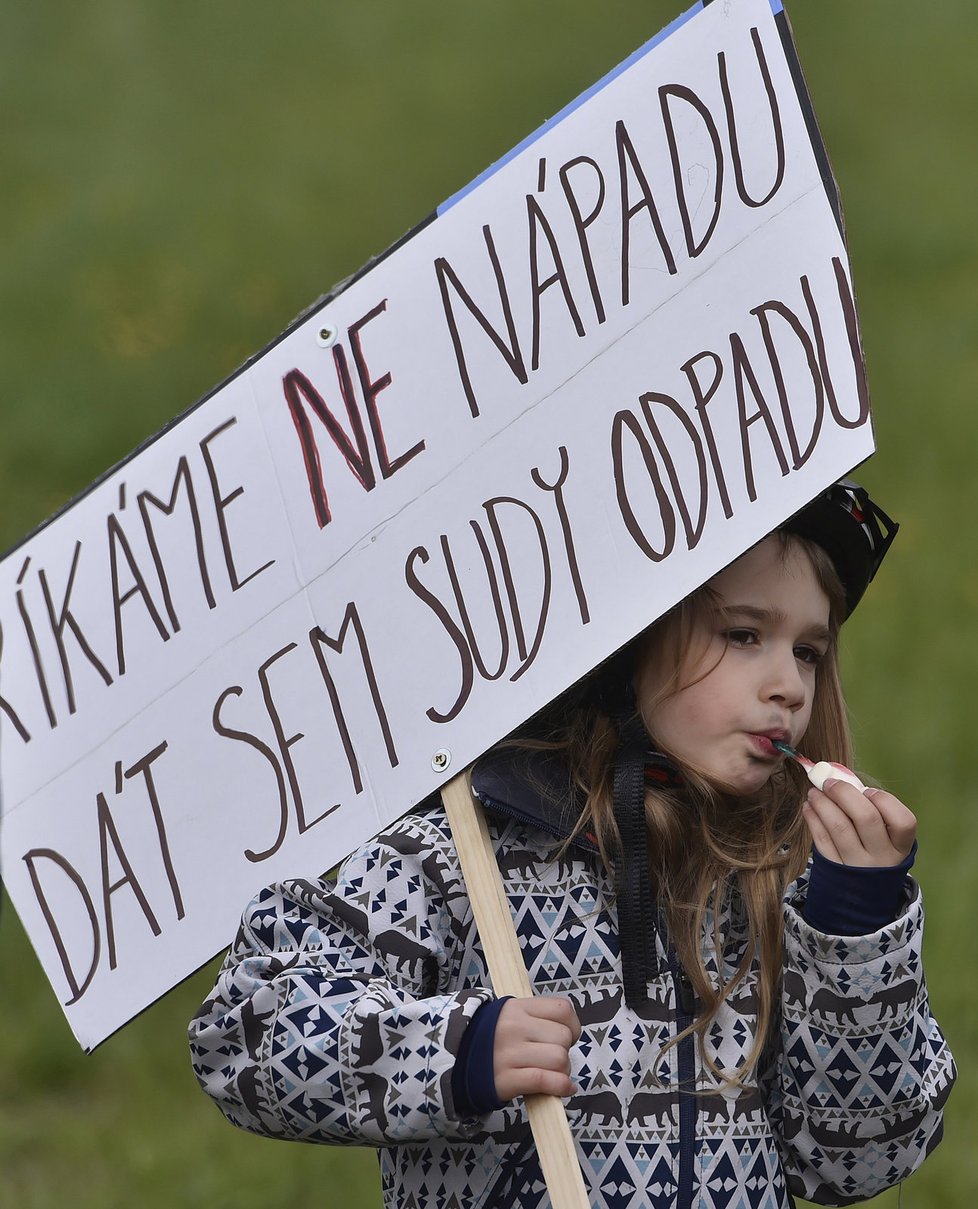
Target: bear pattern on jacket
(340, 1008)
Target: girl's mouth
(764, 745)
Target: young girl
(726, 961)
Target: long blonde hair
(708, 849)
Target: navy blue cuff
(473, 1085)
(850, 900)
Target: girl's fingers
(840, 828)
(820, 836)
(545, 1032)
(531, 1051)
(543, 1020)
(556, 1010)
(900, 821)
(533, 1081)
(546, 1056)
(871, 829)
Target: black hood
(534, 787)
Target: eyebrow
(771, 616)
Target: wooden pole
(548, 1120)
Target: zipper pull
(687, 999)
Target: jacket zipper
(686, 1054)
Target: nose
(784, 682)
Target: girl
(734, 1021)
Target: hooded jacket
(339, 1011)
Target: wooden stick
(548, 1120)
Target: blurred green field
(178, 180)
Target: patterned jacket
(339, 1010)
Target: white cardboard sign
(589, 382)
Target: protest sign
(588, 382)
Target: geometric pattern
(338, 1012)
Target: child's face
(749, 674)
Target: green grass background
(178, 180)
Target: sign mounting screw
(326, 335)
(441, 759)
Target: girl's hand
(870, 829)
(531, 1049)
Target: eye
(741, 637)
(809, 654)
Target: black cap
(851, 529)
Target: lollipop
(823, 771)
